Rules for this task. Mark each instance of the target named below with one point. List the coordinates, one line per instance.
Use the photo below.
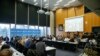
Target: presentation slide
(74, 24)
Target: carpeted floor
(68, 53)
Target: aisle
(60, 52)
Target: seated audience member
(53, 38)
(45, 38)
(73, 40)
(77, 36)
(6, 39)
(59, 37)
(32, 50)
(67, 39)
(1, 42)
(91, 39)
(48, 37)
(84, 38)
(6, 52)
(40, 47)
(28, 43)
(5, 46)
(33, 43)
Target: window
(41, 29)
(4, 30)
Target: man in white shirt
(53, 38)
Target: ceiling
(53, 4)
(93, 5)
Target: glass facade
(4, 30)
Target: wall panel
(91, 20)
(71, 12)
(79, 10)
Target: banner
(24, 32)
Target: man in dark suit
(40, 47)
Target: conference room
(49, 28)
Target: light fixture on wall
(41, 11)
(48, 12)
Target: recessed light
(45, 0)
(34, 0)
(59, 1)
(22, 0)
(71, 1)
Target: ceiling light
(22, 0)
(36, 4)
(56, 4)
(40, 11)
(46, 7)
(34, 0)
(47, 13)
(45, 0)
(66, 4)
(71, 1)
(59, 1)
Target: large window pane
(31, 27)
(42, 32)
(48, 31)
(4, 30)
(26, 26)
(36, 27)
(21, 26)
(12, 26)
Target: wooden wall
(90, 19)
